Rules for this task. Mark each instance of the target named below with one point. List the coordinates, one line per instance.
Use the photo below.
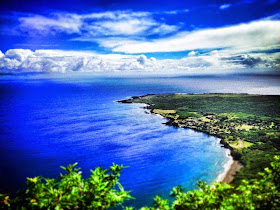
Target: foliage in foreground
(71, 191)
(99, 192)
(253, 194)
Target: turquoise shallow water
(46, 123)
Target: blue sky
(182, 35)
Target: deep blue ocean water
(46, 123)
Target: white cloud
(93, 25)
(165, 29)
(175, 12)
(153, 59)
(115, 15)
(69, 61)
(110, 42)
(126, 32)
(250, 36)
(225, 6)
(215, 53)
(14, 58)
(21, 60)
(18, 54)
(68, 23)
(142, 59)
(121, 27)
(192, 53)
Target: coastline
(242, 122)
(231, 167)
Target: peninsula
(249, 125)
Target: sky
(150, 36)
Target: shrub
(263, 193)
(101, 190)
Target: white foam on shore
(226, 167)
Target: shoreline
(242, 122)
(226, 167)
(231, 167)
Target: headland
(248, 125)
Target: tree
(101, 190)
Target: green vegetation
(261, 193)
(70, 191)
(101, 190)
(247, 124)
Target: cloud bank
(24, 60)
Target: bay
(49, 122)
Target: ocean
(50, 122)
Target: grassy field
(247, 124)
